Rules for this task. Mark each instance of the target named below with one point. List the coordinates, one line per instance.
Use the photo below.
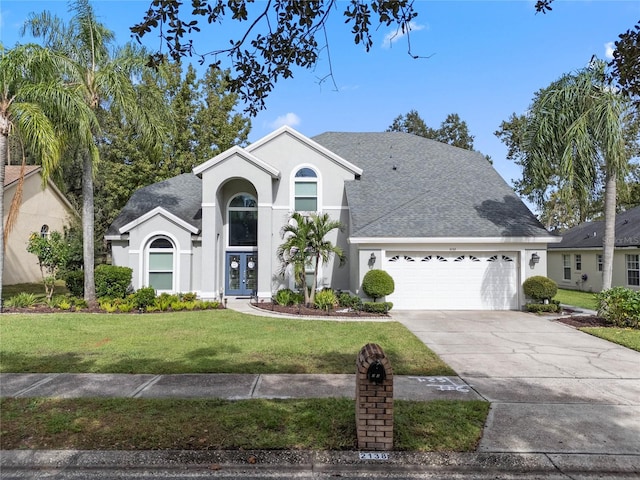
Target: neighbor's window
(578, 262)
(306, 191)
(44, 231)
(566, 262)
(161, 251)
(633, 270)
(599, 262)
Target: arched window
(44, 231)
(306, 191)
(243, 221)
(160, 261)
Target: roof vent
(395, 167)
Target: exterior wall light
(535, 258)
(372, 260)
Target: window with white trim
(160, 256)
(44, 231)
(599, 262)
(633, 270)
(305, 196)
(578, 259)
(566, 270)
(243, 221)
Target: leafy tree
(279, 35)
(35, 108)
(102, 79)
(413, 123)
(52, 252)
(453, 130)
(575, 138)
(305, 246)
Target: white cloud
(289, 119)
(397, 34)
(609, 47)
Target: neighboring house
(43, 210)
(576, 262)
(439, 219)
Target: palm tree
(102, 79)
(575, 136)
(305, 246)
(37, 109)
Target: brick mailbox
(374, 399)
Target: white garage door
(453, 281)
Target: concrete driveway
(553, 389)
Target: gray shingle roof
(416, 187)
(181, 196)
(590, 234)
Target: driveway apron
(552, 388)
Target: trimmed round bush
(112, 281)
(377, 283)
(540, 288)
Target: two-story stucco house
(439, 219)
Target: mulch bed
(315, 312)
(580, 321)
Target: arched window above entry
(243, 221)
(306, 190)
(44, 231)
(160, 262)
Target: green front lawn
(213, 341)
(577, 298)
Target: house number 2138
(373, 456)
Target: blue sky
(485, 61)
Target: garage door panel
(453, 281)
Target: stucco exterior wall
(39, 207)
(593, 282)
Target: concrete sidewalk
(229, 386)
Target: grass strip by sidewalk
(214, 341)
(626, 337)
(151, 424)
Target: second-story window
(306, 190)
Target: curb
(324, 461)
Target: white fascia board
(153, 213)
(241, 152)
(113, 237)
(453, 240)
(310, 143)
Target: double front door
(241, 273)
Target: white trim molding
(159, 211)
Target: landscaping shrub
(621, 306)
(74, 280)
(326, 299)
(377, 283)
(22, 300)
(284, 297)
(540, 288)
(112, 281)
(189, 297)
(552, 307)
(375, 307)
(345, 299)
(143, 297)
